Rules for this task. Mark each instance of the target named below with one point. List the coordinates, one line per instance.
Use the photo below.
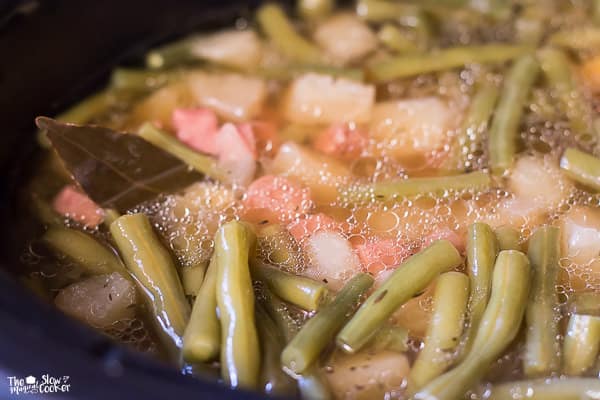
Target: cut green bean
(389, 191)
(172, 54)
(444, 330)
(482, 249)
(581, 167)
(584, 303)
(315, 9)
(240, 350)
(507, 119)
(584, 38)
(282, 33)
(394, 338)
(318, 331)
(150, 262)
(499, 326)
(202, 336)
(383, 10)
(441, 60)
(274, 381)
(289, 72)
(508, 238)
(394, 39)
(301, 291)
(200, 162)
(313, 386)
(141, 79)
(559, 75)
(192, 278)
(469, 139)
(547, 389)
(280, 313)
(542, 350)
(110, 216)
(582, 341)
(410, 278)
(84, 250)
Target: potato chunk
(322, 99)
(234, 48)
(99, 301)
(345, 38)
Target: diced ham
(197, 128)
(275, 198)
(237, 153)
(305, 227)
(341, 140)
(74, 204)
(382, 254)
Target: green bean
(200, 162)
(505, 124)
(585, 303)
(499, 326)
(317, 332)
(45, 213)
(383, 10)
(192, 278)
(394, 39)
(315, 9)
(141, 79)
(80, 113)
(529, 26)
(387, 191)
(151, 264)
(444, 330)
(542, 351)
(279, 247)
(557, 70)
(240, 351)
(202, 336)
(313, 387)
(547, 389)
(582, 341)
(110, 216)
(470, 135)
(394, 338)
(410, 278)
(280, 30)
(280, 313)
(581, 167)
(289, 72)
(172, 54)
(450, 58)
(508, 238)
(274, 381)
(482, 249)
(84, 250)
(301, 291)
(584, 38)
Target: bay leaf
(116, 170)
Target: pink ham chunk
(341, 140)
(275, 198)
(382, 254)
(305, 227)
(197, 127)
(74, 204)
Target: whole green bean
(200, 162)
(581, 167)
(547, 389)
(581, 344)
(542, 350)
(505, 124)
(301, 291)
(318, 331)
(499, 326)
(386, 191)
(274, 381)
(410, 278)
(240, 351)
(84, 250)
(559, 75)
(151, 264)
(192, 278)
(405, 66)
(280, 30)
(482, 249)
(508, 238)
(444, 330)
(470, 135)
(202, 336)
